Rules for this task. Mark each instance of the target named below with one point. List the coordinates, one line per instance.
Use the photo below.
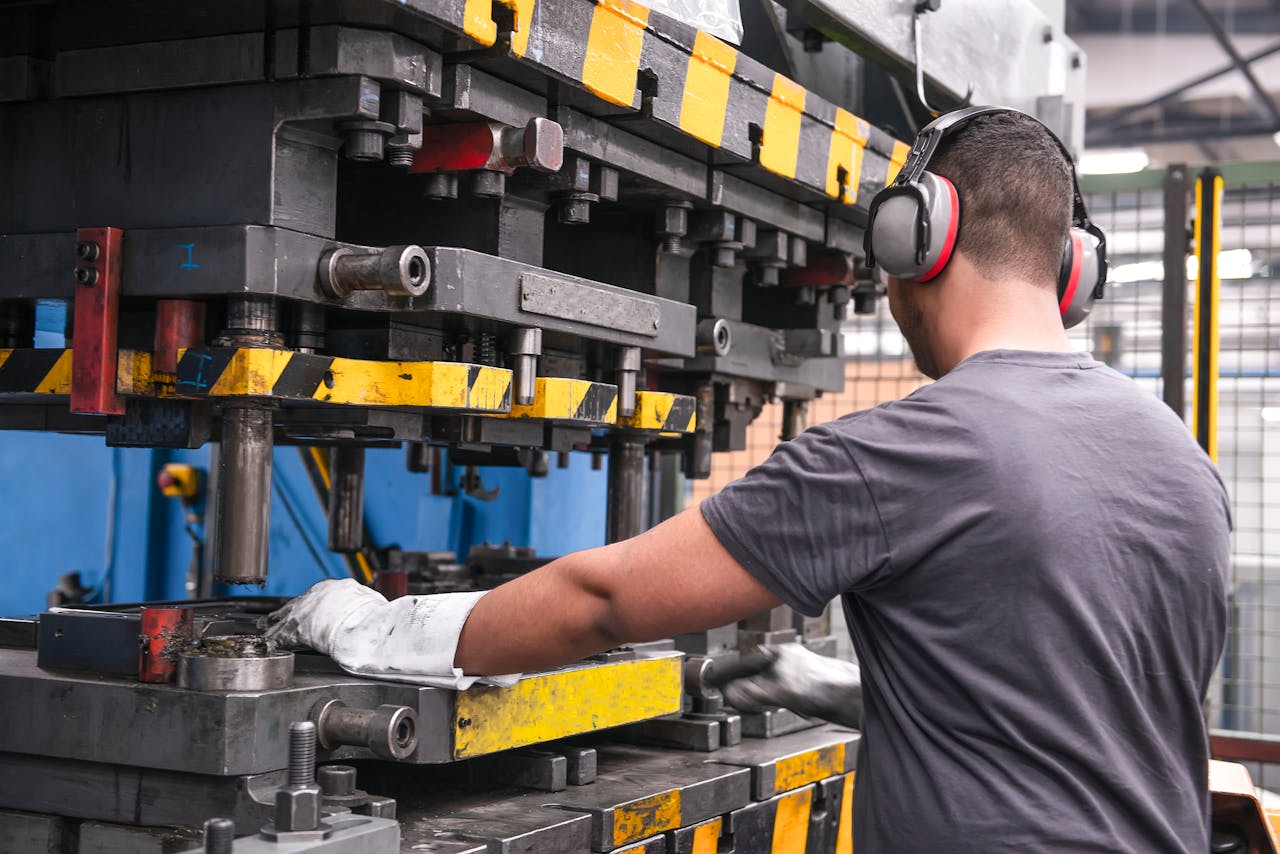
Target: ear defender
(1082, 275)
(914, 227)
(913, 223)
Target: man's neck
(1019, 318)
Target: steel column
(626, 490)
(1173, 309)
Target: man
(1032, 554)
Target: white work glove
(809, 684)
(411, 639)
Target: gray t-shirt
(1033, 554)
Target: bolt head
(87, 250)
(575, 212)
(86, 275)
(544, 145)
(297, 808)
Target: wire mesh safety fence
(1248, 441)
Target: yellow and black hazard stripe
(284, 375)
(706, 89)
(560, 399)
(662, 411)
(35, 371)
(815, 818)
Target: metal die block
(791, 761)
(772, 723)
(680, 731)
(831, 816)
(559, 399)
(500, 822)
(27, 832)
(666, 413)
(652, 797)
(100, 642)
(245, 732)
(547, 706)
(97, 302)
(717, 641)
(284, 375)
(340, 834)
(772, 620)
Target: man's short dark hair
(1015, 195)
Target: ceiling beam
(1264, 97)
(1119, 117)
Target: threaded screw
(401, 157)
(671, 244)
(219, 835)
(302, 753)
(488, 354)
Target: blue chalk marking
(188, 264)
(200, 381)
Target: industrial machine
(490, 232)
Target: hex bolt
(628, 366)
(526, 347)
(575, 209)
(673, 225)
(219, 836)
(302, 753)
(86, 276)
(364, 140)
(538, 145)
(403, 271)
(336, 780)
(87, 250)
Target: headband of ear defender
(913, 223)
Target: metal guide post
(1208, 238)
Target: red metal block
(391, 583)
(179, 325)
(97, 304)
(163, 632)
(463, 146)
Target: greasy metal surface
(168, 727)
(555, 297)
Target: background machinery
(499, 235)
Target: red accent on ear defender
(953, 226)
(1073, 279)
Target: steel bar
(346, 498)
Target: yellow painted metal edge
(646, 816)
(562, 399)
(654, 411)
(800, 769)
(547, 706)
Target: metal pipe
(346, 498)
(397, 270)
(244, 495)
(625, 514)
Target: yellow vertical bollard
(1206, 322)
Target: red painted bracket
(97, 306)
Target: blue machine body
(72, 504)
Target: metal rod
(1173, 309)
(346, 498)
(626, 490)
(1220, 35)
(244, 496)
(1106, 123)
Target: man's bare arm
(674, 578)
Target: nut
(297, 808)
